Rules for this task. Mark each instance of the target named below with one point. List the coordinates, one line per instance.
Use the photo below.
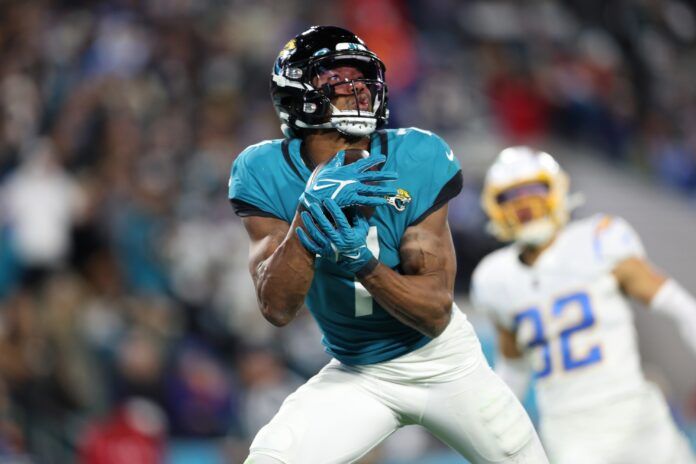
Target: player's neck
(530, 254)
(321, 145)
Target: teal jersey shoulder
(263, 182)
(428, 170)
(267, 180)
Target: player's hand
(347, 185)
(341, 243)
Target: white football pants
(637, 429)
(446, 386)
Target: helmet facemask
(525, 196)
(305, 101)
(358, 120)
(527, 213)
(352, 105)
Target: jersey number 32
(556, 351)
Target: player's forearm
(677, 303)
(283, 279)
(420, 301)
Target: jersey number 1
(363, 299)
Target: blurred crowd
(128, 321)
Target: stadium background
(128, 325)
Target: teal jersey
(267, 180)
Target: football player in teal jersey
(367, 247)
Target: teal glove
(347, 184)
(342, 244)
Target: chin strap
(357, 127)
(353, 122)
(346, 122)
(536, 233)
(674, 301)
(350, 122)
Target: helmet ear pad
(316, 105)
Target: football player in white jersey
(558, 298)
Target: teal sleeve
(439, 172)
(249, 189)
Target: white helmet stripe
(283, 81)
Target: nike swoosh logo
(339, 184)
(355, 255)
(325, 186)
(326, 183)
(450, 155)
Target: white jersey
(572, 323)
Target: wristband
(367, 269)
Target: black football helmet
(301, 106)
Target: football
(351, 156)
